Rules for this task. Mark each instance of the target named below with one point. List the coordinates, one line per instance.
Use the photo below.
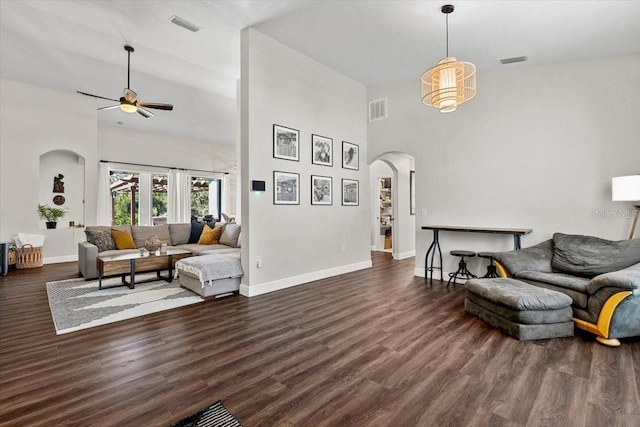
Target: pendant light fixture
(450, 83)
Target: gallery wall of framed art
(286, 184)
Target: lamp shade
(625, 188)
(449, 84)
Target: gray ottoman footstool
(524, 311)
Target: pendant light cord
(447, 20)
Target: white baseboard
(374, 248)
(59, 259)
(288, 282)
(404, 255)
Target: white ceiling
(78, 45)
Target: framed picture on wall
(350, 192)
(286, 188)
(321, 190)
(322, 150)
(350, 155)
(286, 143)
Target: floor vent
(378, 109)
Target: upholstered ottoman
(210, 276)
(524, 311)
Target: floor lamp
(627, 189)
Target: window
(141, 198)
(138, 198)
(205, 197)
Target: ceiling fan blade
(145, 113)
(109, 108)
(130, 95)
(157, 106)
(96, 96)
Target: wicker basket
(29, 257)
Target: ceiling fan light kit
(128, 102)
(451, 82)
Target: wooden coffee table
(133, 262)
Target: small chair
(462, 266)
(491, 268)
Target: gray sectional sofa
(175, 235)
(602, 277)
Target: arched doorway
(392, 222)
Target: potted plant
(51, 215)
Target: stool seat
(485, 254)
(462, 270)
(469, 254)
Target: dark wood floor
(371, 348)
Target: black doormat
(215, 415)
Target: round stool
(462, 270)
(491, 269)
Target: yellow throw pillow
(123, 239)
(210, 236)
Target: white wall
(298, 243)
(34, 121)
(536, 148)
(121, 144)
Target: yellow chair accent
(501, 270)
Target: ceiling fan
(129, 102)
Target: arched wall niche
(61, 184)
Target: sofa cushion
(196, 231)
(628, 278)
(210, 236)
(230, 235)
(517, 295)
(579, 284)
(534, 258)
(101, 238)
(590, 256)
(142, 232)
(123, 239)
(179, 233)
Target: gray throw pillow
(230, 235)
(589, 256)
(179, 233)
(102, 239)
(534, 258)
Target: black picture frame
(286, 143)
(286, 188)
(321, 190)
(321, 150)
(350, 192)
(350, 156)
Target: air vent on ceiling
(513, 60)
(184, 24)
(378, 109)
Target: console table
(435, 244)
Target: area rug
(215, 415)
(78, 304)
